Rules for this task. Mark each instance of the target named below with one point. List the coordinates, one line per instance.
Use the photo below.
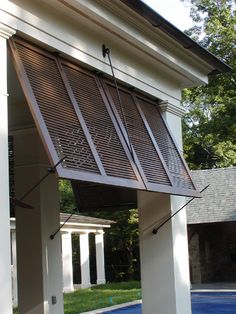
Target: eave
(157, 21)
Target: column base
(68, 290)
(101, 281)
(85, 285)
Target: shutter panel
(56, 110)
(139, 137)
(170, 153)
(158, 155)
(78, 116)
(104, 135)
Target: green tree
(209, 126)
(67, 200)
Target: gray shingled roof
(85, 220)
(219, 200)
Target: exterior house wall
(194, 258)
(212, 252)
(211, 226)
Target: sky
(172, 10)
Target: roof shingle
(85, 219)
(218, 202)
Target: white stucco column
(84, 260)
(99, 242)
(39, 261)
(5, 249)
(164, 256)
(173, 116)
(67, 261)
(14, 268)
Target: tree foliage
(67, 200)
(121, 245)
(210, 123)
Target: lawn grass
(97, 297)
(101, 296)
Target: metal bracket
(105, 51)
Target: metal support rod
(155, 230)
(52, 236)
(50, 170)
(106, 52)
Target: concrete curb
(112, 308)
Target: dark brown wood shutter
(161, 161)
(55, 109)
(168, 148)
(105, 136)
(139, 137)
(79, 116)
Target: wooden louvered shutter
(168, 148)
(140, 140)
(162, 164)
(52, 109)
(78, 116)
(105, 136)
(73, 120)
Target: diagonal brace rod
(52, 236)
(50, 170)
(155, 230)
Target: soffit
(158, 22)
